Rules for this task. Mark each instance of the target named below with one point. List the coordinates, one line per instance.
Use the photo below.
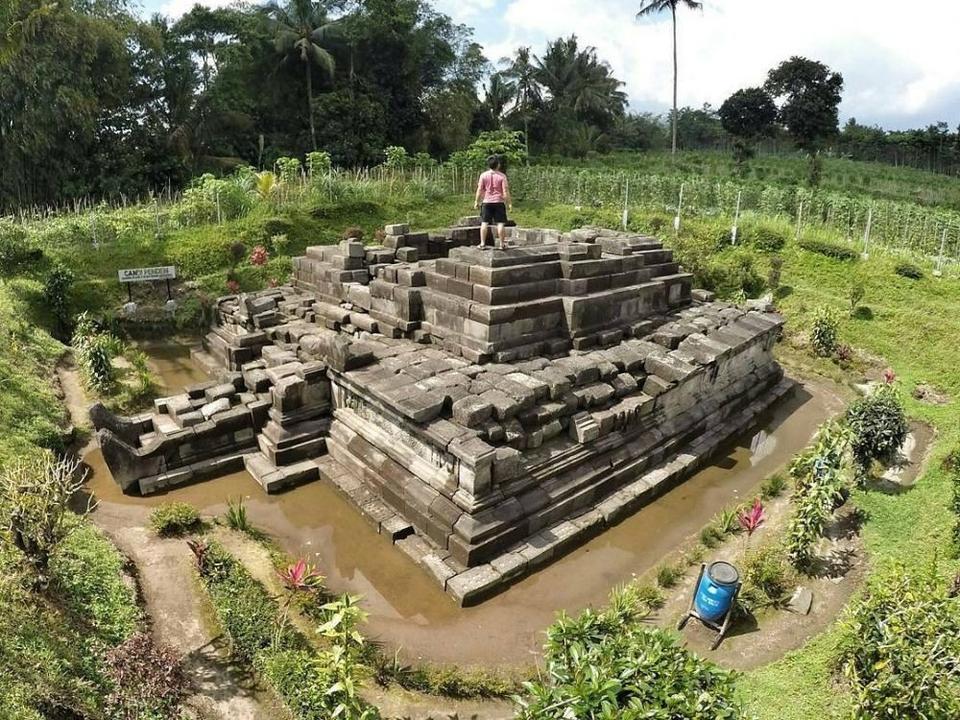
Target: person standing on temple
(493, 199)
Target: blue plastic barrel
(716, 590)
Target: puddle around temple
(408, 610)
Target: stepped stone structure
(486, 410)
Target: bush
(766, 236)
(609, 665)
(766, 577)
(824, 335)
(879, 425)
(829, 249)
(773, 486)
(900, 648)
(507, 143)
(820, 486)
(908, 270)
(148, 679)
(174, 518)
(731, 273)
(668, 575)
(16, 253)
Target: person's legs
(484, 229)
(502, 234)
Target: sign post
(138, 275)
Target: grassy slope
(915, 327)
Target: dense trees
(97, 102)
(94, 100)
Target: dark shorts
(494, 213)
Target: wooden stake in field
(676, 220)
(736, 219)
(943, 246)
(626, 205)
(866, 234)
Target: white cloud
(898, 64)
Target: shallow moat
(408, 611)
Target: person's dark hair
(494, 162)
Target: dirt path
(179, 614)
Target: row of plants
(72, 640)
(314, 683)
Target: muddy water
(409, 611)
(172, 365)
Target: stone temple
(486, 410)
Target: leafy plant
(752, 518)
(395, 157)
(856, 295)
(900, 648)
(608, 664)
(820, 485)
(825, 331)
(879, 425)
(668, 575)
(297, 579)
(775, 272)
(766, 577)
(727, 522)
(236, 515)
(175, 518)
(56, 295)
(148, 679)
(35, 492)
(773, 486)
(259, 256)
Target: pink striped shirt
(493, 186)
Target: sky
(901, 67)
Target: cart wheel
(716, 643)
(683, 622)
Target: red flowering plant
(298, 580)
(752, 518)
(259, 256)
(233, 287)
(889, 376)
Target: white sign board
(147, 274)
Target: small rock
(801, 602)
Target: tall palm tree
(302, 32)
(498, 94)
(654, 7)
(522, 73)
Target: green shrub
(879, 425)
(608, 664)
(830, 249)
(174, 518)
(710, 536)
(668, 575)
(731, 272)
(856, 295)
(293, 675)
(508, 143)
(247, 613)
(17, 255)
(908, 270)
(900, 648)
(825, 333)
(200, 251)
(767, 579)
(766, 236)
(773, 486)
(820, 486)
